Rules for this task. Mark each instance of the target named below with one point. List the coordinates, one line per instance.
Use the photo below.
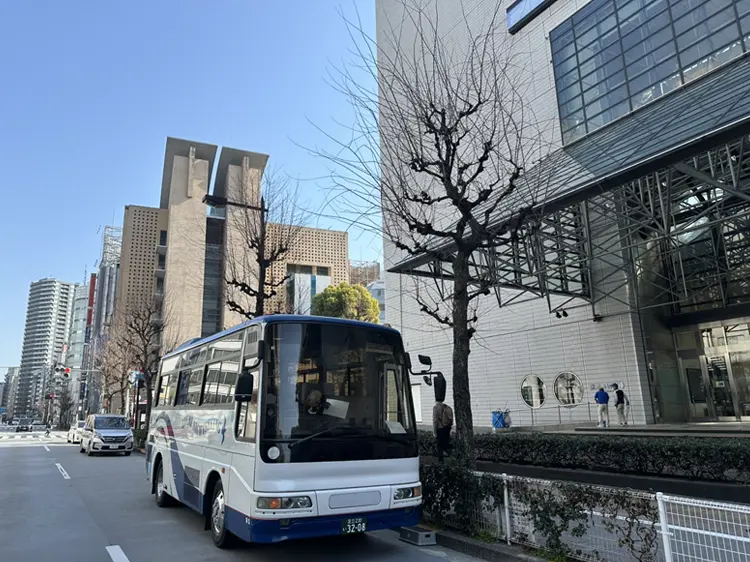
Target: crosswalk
(33, 438)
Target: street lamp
(218, 202)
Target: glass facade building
(615, 56)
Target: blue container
(498, 419)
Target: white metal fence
(681, 529)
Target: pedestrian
(622, 404)
(47, 427)
(602, 399)
(442, 422)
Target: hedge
(452, 495)
(697, 458)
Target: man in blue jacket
(602, 399)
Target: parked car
(107, 433)
(24, 425)
(75, 431)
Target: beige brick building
(179, 252)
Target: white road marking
(62, 471)
(116, 554)
(46, 448)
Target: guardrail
(657, 528)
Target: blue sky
(91, 89)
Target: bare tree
(440, 141)
(114, 363)
(142, 339)
(65, 405)
(262, 231)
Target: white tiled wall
(524, 338)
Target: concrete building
(178, 253)
(10, 382)
(318, 259)
(377, 290)
(76, 350)
(363, 272)
(635, 270)
(301, 288)
(47, 330)
(106, 280)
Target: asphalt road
(56, 504)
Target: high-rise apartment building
(181, 253)
(634, 268)
(47, 330)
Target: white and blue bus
(287, 427)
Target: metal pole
(664, 527)
(506, 506)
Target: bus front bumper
(271, 531)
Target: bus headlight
(295, 502)
(407, 493)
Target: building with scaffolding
(634, 267)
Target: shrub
(454, 497)
(139, 438)
(698, 458)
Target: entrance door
(740, 365)
(720, 386)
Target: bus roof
(278, 319)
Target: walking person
(47, 428)
(602, 399)
(622, 405)
(442, 422)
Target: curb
(493, 552)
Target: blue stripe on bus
(271, 531)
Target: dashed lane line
(46, 448)
(116, 554)
(62, 471)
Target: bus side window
(247, 413)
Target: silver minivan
(107, 433)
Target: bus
(287, 427)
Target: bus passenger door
(243, 455)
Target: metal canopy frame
(676, 239)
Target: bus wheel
(163, 499)
(219, 533)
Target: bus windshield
(334, 393)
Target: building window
(568, 389)
(533, 391)
(162, 261)
(614, 56)
(322, 270)
(162, 238)
(521, 12)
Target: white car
(107, 433)
(75, 432)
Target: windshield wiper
(351, 429)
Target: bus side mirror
(426, 361)
(244, 390)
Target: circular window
(568, 389)
(533, 391)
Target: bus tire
(163, 499)
(217, 518)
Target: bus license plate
(352, 526)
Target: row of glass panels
(614, 56)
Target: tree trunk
(149, 398)
(260, 299)
(461, 350)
